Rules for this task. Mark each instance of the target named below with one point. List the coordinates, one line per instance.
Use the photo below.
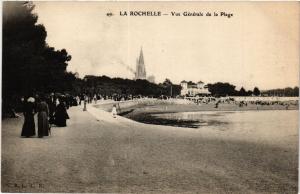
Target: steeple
(141, 58)
(140, 67)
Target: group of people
(50, 111)
(94, 97)
(240, 103)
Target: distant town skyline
(257, 46)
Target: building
(151, 79)
(140, 67)
(193, 89)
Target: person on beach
(61, 114)
(114, 111)
(43, 113)
(217, 104)
(28, 128)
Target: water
(221, 120)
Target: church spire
(140, 66)
(141, 58)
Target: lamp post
(84, 104)
(85, 97)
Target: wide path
(107, 155)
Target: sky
(257, 46)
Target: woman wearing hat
(61, 114)
(43, 114)
(28, 128)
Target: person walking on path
(52, 106)
(43, 113)
(114, 111)
(28, 128)
(61, 114)
(95, 99)
(84, 103)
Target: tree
(167, 82)
(296, 91)
(169, 87)
(29, 64)
(242, 92)
(256, 91)
(249, 93)
(176, 89)
(22, 44)
(221, 89)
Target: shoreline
(188, 106)
(150, 112)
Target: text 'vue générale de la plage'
(176, 13)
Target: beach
(98, 153)
(147, 110)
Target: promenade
(96, 153)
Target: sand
(162, 106)
(96, 153)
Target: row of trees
(282, 92)
(108, 86)
(227, 89)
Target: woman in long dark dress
(28, 128)
(51, 104)
(43, 123)
(61, 114)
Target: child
(114, 111)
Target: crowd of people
(51, 111)
(241, 103)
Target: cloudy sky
(258, 46)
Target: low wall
(107, 105)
